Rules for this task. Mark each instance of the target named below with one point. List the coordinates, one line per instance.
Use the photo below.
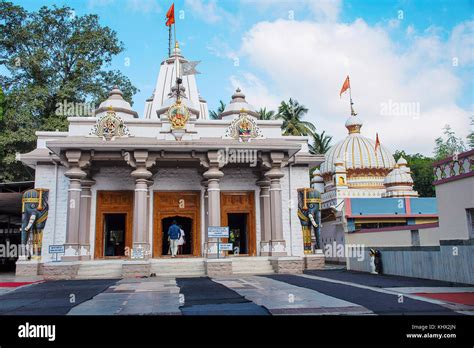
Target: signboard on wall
(218, 232)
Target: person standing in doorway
(174, 232)
(181, 240)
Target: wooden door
(181, 204)
(113, 202)
(241, 202)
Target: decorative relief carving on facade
(243, 127)
(178, 115)
(110, 126)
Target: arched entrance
(184, 207)
(186, 224)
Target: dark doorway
(187, 226)
(114, 234)
(238, 232)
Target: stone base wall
(288, 264)
(138, 269)
(60, 270)
(315, 261)
(27, 268)
(218, 267)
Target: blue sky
(430, 34)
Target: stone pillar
(265, 218)
(277, 242)
(213, 176)
(206, 213)
(75, 175)
(141, 245)
(85, 219)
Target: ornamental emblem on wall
(110, 126)
(178, 115)
(244, 127)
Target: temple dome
(399, 175)
(236, 105)
(357, 151)
(399, 183)
(116, 103)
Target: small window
(415, 237)
(470, 222)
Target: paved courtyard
(326, 292)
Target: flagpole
(350, 97)
(169, 41)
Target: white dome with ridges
(357, 151)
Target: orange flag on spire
(377, 142)
(170, 16)
(345, 86)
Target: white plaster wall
(380, 239)
(454, 198)
(293, 235)
(429, 236)
(53, 233)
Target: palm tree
(320, 143)
(292, 113)
(266, 115)
(214, 115)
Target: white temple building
(116, 181)
(354, 169)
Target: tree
(214, 115)
(51, 56)
(2, 103)
(266, 115)
(470, 137)
(321, 143)
(449, 145)
(421, 168)
(292, 113)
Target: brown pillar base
(60, 270)
(287, 264)
(26, 268)
(218, 267)
(133, 269)
(314, 261)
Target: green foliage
(266, 114)
(51, 56)
(470, 137)
(321, 143)
(292, 114)
(448, 144)
(2, 103)
(214, 115)
(421, 168)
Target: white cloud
(144, 6)
(309, 61)
(208, 11)
(255, 90)
(322, 10)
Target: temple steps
(178, 267)
(100, 270)
(251, 265)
